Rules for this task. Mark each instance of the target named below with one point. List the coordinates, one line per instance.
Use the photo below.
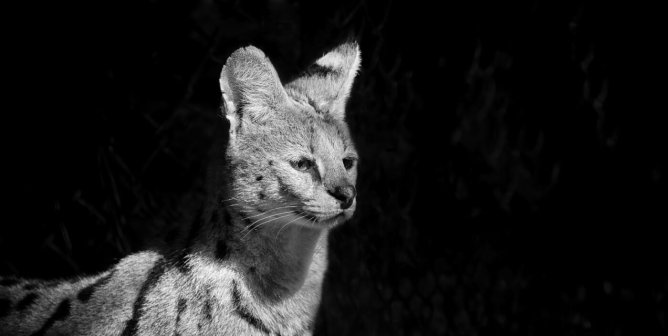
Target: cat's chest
(214, 298)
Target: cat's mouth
(327, 218)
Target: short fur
(254, 261)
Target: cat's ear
(250, 87)
(326, 84)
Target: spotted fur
(253, 261)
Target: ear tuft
(327, 83)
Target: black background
(513, 155)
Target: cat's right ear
(250, 87)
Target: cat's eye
(348, 162)
(303, 164)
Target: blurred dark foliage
(513, 155)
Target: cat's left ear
(327, 83)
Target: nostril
(336, 193)
(347, 203)
(344, 194)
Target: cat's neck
(277, 261)
(279, 264)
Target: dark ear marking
(319, 70)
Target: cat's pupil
(304, 164)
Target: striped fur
(253, 261)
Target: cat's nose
(344, 194)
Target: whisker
(286, 224)
(229, 199)
(250, 226)
(267, 222)
(264, 212)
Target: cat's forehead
(304, 127)
(322, 127)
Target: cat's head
(291, 155)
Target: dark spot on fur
(26, 302)
(131, 327)
(86, 293)
(271, 162)
(180, 308)
(261, 195)
(5, 307)
(8, 282)
(221, 249)
(207, 310)
(252, 269)
(259, 178)
(246, 315)
(62, 312)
